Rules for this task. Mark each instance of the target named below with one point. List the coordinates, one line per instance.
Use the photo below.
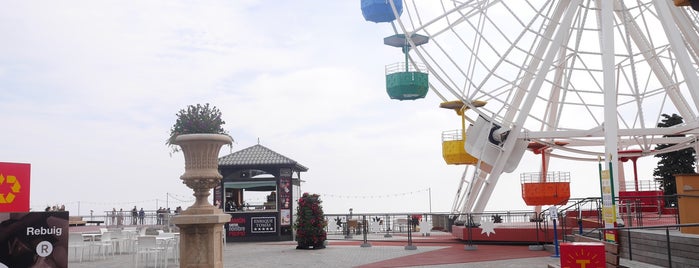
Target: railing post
(388, 227)
(669, 251)
(365, 230)
(555, 235)
(628, 235)
(580, 220)
(410, 245)
(469, 225)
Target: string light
(325, 195)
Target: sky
(90, 89)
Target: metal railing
(150, 217)
(667, 244)
(346, 226)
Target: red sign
(236, 226)
(583, 255)
(14, 187)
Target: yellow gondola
(453, 141)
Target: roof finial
(258, 140)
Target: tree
(671, 163)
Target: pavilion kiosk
(259, 189)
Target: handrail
(667, 235)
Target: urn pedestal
(201, 225)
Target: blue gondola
(380, 10)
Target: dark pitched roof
(258, 155)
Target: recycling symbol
(14, 188)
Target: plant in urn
(199, 135)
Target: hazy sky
(89, 91)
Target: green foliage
(310, 221)
(197, 119)
(671, 163)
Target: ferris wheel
(590, 79)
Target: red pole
(543, 164)
(635, 172)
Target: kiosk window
(250, 196)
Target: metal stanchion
(469, 222)
(388, 227)
(348, 233)
(410, 245)
(365, 231)
(553, 211)
(538, 245)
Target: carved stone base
(202, 210)
(201, 240)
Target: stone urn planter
(201, 167)
(197, 132)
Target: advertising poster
(14, 187)
(34, 239)
(236, 227)
(285, 193)
(608, 203)
(285, 217)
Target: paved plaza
(433, 251)
(437, 250)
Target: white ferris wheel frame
(545, 58)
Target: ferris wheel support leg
(474, 191)
(460, 193)
(516, 132)
(611, 124)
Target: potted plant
(199, 134)
(196, 119)
(310, 222)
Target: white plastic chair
(171, 243)
(399, 224)
(121, 241)
(147, 247)
(142, 231)
(77, 242)
(105, 244)
(425, 227)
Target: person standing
(141, 216)
(159, 214)
(120, 217)
(134, 216)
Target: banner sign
(608, 207)
(247, 226)
(263, 224)
(34, 239)
(285, 200)
(14, 187)
(608, 203)
(583, 255)
(236, 226)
